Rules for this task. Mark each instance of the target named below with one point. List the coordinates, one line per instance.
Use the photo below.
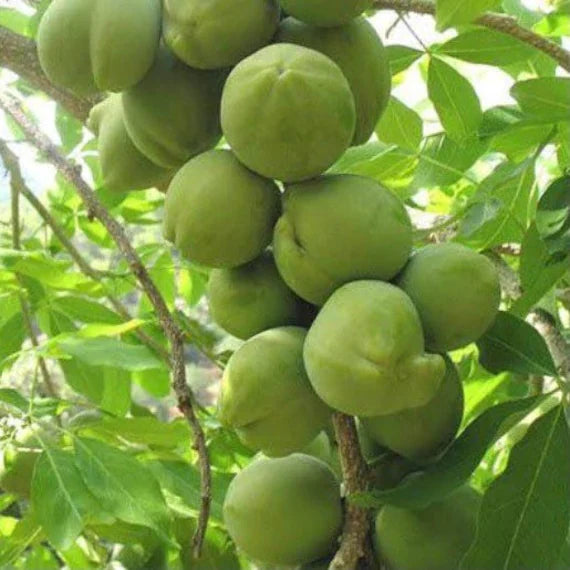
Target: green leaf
(531, 494)
(487, 46)
(520, 140)
(15, 399)
(69, 129)
(457, 464)
(401, 57)
(514, 345)
(497, 119)
(26, 532)
(455, 12)
(13, 333)
(545, 98)
(122, 485)
(59, 497)
(454, 99)
(553, 215)
(554, 25)
(85, 311)
(400, 125)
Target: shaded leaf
(26, 532)
(553, 215)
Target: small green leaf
(455, 12)
(553, 215)
(401, 57)
(14, 398)
(26, 532)
(400, 125)
(531, 494)
(85, 311)
(545, 98)
(514, 345)
(454, 99)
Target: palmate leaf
(525, 513)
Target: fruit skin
(358, 51)
(210, 34)
(325, 13)
(421, 434)
(219, 213)
(336, 229)
(456, 292)
(173, 113)
(266, 395)
(251, 298)
(284, 511)
(89, 46)
(364, 353)
(435, 538)
(288, 112)
(123, 166)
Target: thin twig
(175, 336)
(500, 22)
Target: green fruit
(89, 46)
(358, 51)
(325, 13)
(209, 34)
(423, 433)
(284, 511)
(123, 166)
(364, 353)
(251, 298)
(219, 213)
(266, 395)
(456, 292)
(173, 113)
(288, 112)
(435, 538)
(336, 229)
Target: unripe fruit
(337, 229)
(209, 34)
(251, 298)
(107, 45)
(173, 113)
(266, 395)
(421, 434)
(358, 51)
(219, 213)
(434, 538)
(123, 166)
(364, 353)
(456, 292)
(325, 12)
(284, 511)
(288, 112)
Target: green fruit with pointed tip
(209, 34)
(219, 213)
(325, 13)
(251, 298)
(456, 292)
(336, 229)
(421, 434)
(358, 51)
(284, 511)
(288, 112)
(173, 113)
(364, 353)
(123, 166)
(89, 46)
(266, 395)
(434, 538)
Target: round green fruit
(288, 112)
(123, 166)
(89, 46)
(456, 292)
(251, 298)
(219, 213)
(336, 229)
(421, 434)
(210, 34)
(364, 353)
(434, 538)
(284, 511)
(325, 13)
(173, 113)
(266, 395)
(358, 51)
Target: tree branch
(19, 54)
(175, 336)
(499, 22)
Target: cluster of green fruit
(338, 314)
